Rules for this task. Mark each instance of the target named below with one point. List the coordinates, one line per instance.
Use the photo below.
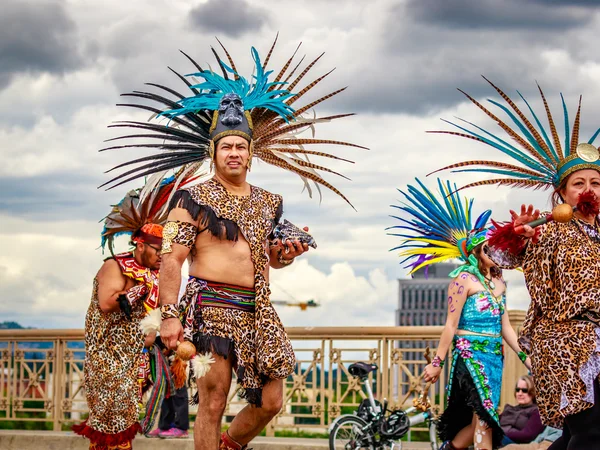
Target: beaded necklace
(589, 230)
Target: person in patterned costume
(125, 288)
(224, 226)
(439, 228)
(560, 261)
(122, 321)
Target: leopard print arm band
(177, 232)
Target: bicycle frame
(416, 419)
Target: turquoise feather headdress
(273, 115)
(544, 162)
(439, 227)
(259, 94)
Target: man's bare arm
(172, 261)
(173, 257)
(111, 284)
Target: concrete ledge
(62, 440)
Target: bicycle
(371, 428)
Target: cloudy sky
(63, 65)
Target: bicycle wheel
(348, 434)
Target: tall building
(423, 300)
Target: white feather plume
(201, 364)
(151, 322)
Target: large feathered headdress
(260, 110)
(438, 228)
(543, 161)
(140, 213)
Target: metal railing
(41, 373)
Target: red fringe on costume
(505, 238)
(101, 438)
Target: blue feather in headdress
(260, 94)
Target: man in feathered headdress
(118, 325)
(225, 226)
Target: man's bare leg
(212, 400)
(250, 421)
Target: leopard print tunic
(113, 350)
(254, 215)
(562, 271)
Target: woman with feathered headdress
(439, 228)
(560, 259)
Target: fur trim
(201, 364)
(151, 322)
(218, 227)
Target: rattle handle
(520, 229)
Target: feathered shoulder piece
(140, 208)
(542, 159)
(266, 110)
(436, 228)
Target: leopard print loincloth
(227, 329)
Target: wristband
(169, 311)
(437, 362)
(522, 356)
(284, 262)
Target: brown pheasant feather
(305, 108)
(510, 132)
(310, 165)
(512, 182)
(274, 160)
(288, 128)
(526, 121)
(257, 116)
(269, 115)
(296, 67)
(286, 66)
(303, 73)
(499, 165)
(575, 134)
(231, 63)
(308, 152)
(555, 138)
(270, 52)
(313, 141)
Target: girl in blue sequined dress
(439, 228)
(475, 327)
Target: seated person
(542, 442)
(521, 423)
